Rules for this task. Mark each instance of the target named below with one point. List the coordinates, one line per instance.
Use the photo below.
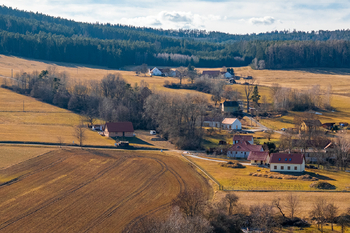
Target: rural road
(213, 160)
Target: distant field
(239, 178)
(92, 190)
(39, 122)
(11, 155)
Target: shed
(259, 157)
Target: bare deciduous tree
(79, 133)
(318, 212)
(248, 90)
(232, 200)
(191, 202)
(331, 213)
(293, 204)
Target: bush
(232, 165)
(322, 185)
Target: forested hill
(40, 36)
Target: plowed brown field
(91, 190)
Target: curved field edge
(92, 190)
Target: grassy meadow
(239, 178)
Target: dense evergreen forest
(40, 36)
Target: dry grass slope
(91, 190)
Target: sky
(235, 16)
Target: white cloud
(172, 20)
(267, 20)
(212, 15)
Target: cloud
(267, 20)
(172, 20)
(177, 17)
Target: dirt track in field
(91, 190)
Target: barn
(119, 129)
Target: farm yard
(54, 191)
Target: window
(295, 168)
(279, 159)
(275, 167)
(286, 159)
(282, 167)
(290, 159)
(288, 167)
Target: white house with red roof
(242, 150)
(231, 123)
(284, 162)
(243, 138)
(259, 157)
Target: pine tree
(255, 96)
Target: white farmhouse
(231, 123)
(283, 162)
(242, 150)
(155, 72)
(227, 75)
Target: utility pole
(23, 105)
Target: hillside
(39, 36)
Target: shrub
(322, 185)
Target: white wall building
(231, 123)
(242, 150)
(280, 162)
(155, 72)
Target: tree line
(191, 212)
(113, 99)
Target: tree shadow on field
(329, 71)
(136, 140)
(318, 176)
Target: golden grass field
(92, 190)
(239, 178)
(40, 122)
(11, 155)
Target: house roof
(125, 126)
(211, 72)
(311, 123)
(295, 158)
(258, 155)
(231, 104)
(155, 69)
(238, 137)
(229, 121)
(245, 146)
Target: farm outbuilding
(284, 162)
(119, 129)
(259, 157)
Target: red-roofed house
(242, 149)
(243, 138)
(259, 157)
(119, 129)
(283, 162)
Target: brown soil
(91, 190)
